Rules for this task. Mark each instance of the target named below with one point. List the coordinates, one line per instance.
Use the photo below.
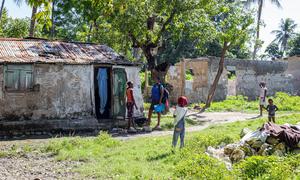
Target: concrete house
(53, 85)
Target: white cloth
(262, 92)
(179, 113)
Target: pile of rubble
(271, 139)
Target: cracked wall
(65, 92)
(248, 76)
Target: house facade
(60, 85)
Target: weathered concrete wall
(294, 71)
(248, 76)
(196, 90)
(65, 92)
(133, 75)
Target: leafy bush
(201, 166)
(266, 167)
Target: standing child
(179, 114)
(271, 108)
(130, 104)
(262, 96)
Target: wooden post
(182, 77)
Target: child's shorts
(129, 106)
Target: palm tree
(285, 32)
(1, 9)
(34, 4)
(260, 4)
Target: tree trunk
(90, 33)
(213, 87)
(146, 94)
(52, 20)
(32, 21)
(1, 10)
(260, 5)
(150, 58)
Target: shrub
(201, 166)
(264, 167)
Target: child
(179, 114)
(262, 96)
(130, 104)
(271, 108)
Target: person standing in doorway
(156, 99)
(262, 96)
(130, 105)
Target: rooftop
(45, 51)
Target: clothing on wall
(102, 85)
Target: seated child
(271, 108)
(179, 114)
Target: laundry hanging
(102, 84)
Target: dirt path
(206, 119)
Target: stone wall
(65, 100)
(294, 71)
(64, 92)
(248, 75)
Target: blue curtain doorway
(102, 84)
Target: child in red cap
(179, 114)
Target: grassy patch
(152, 158)
(166, 121)
(240, 104)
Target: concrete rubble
(252, 143)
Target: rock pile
(259, 143)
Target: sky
(271, 16)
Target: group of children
(271, 108)
(181, 111)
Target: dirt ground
(41, 166)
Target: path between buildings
(206, 119)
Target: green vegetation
(283, 101)
(152, 158)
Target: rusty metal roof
(44, 51)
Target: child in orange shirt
(130, 104)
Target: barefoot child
(271, 108)
(179, 114)
(130, 104)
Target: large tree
(285, 32)
(146, 24)
(231, 23)
(260, 5)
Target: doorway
(102, 87)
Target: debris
(245, 131)
(271, 139)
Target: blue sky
(271, 15)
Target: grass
(283, 101)
(166, 122)
(152, 158)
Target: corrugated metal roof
(43, 51)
